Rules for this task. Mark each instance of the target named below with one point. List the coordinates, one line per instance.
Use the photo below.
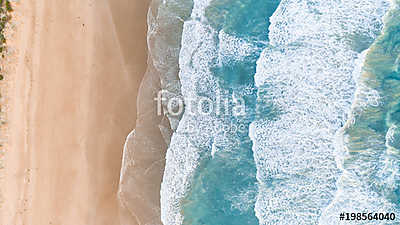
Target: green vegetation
(8, 6)
(5, 17)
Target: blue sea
(291, 111)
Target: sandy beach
(76, 68)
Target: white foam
(307, 79)
(370, 177)
(193, 135)
(199, 8)
(233, 48)
(198, 135)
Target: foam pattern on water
(306, 79)
(370, 155)
(196, 81)
(306, 86)
(144, 151)
(294, 148)
(208, 60)
(328, 23)
(203, 132)
(164, 42)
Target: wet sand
(72, 98)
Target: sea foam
(199, 138)
(306, 81)
(144, 151)
(370, 155)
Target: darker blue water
(224, 187)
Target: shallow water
(370, 156)
(224, 187)
(297, 67)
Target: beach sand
(72, 92)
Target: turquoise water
(372, 137)
(381, 121)
(369, 146)
(384, 61)
(321, 130)
(247, 19)
(224, 187)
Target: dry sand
(72, 92)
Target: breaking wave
(319, 131)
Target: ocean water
(224, 185)
(301, 122)
(369, 147)
(144, 152)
